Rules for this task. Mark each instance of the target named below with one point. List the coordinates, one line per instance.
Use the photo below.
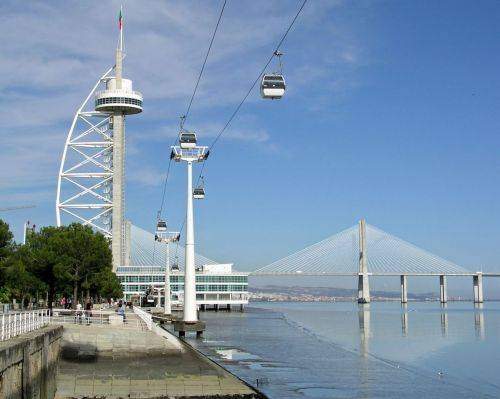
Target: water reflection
(404, 323)
(364, 328)
(450, 338)
(365, 332)
(444, 320)
(479, 321)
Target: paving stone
(136, 363)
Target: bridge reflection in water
(367, 333)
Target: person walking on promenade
(121, 310)
(88, 311)
(78, 313)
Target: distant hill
(323, 292)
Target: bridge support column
(363, 282)
(443, 294)
(477, 281)
(363, 288)
(404, 289)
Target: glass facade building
(216, 284)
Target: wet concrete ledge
(109, 362)
(28, 364)
(255, 395)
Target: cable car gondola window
(273, 84)
(199, 193)
(161, 226)
(187, 140)
(273, 77)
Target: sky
(390, 114)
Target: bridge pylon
(477, 281)
(363, 282)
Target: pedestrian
(78, 313)
(88, 311)
(121, 310)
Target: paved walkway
(113, 362)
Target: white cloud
(146, 176)
(52, 53)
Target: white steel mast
(189, 153)
(90, 186)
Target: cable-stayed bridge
(339, 255)
(364, 250)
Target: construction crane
(15, 208)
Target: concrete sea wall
(28, 364)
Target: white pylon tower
(189, 152)
(90, 186)
(167, 237)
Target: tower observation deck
(118, 100)
(91, 179)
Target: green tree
(6, 240)
(4, 294)
(107, 285)
(57, 260)
(21, 282)
(17, 280)
(84, 253)
(48, 257)
(6, 248)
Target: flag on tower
(120, 20)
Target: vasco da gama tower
(90, 186)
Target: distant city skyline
(390, 114)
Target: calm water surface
(346, 350)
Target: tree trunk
(50, 297)
(75, 294)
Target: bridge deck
(381, 274)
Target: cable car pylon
(190, 152)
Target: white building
(217, 285)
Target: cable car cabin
(199, 193)
(161, 226)
(272, 86)
(187, 140)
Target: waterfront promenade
(134, 362)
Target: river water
(346, 350)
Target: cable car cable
(233, 115)
(185, 116)
(205, 61)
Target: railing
(144, 316)
(117, 92)
(13, 324)
(95, 319)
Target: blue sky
(391, 114)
